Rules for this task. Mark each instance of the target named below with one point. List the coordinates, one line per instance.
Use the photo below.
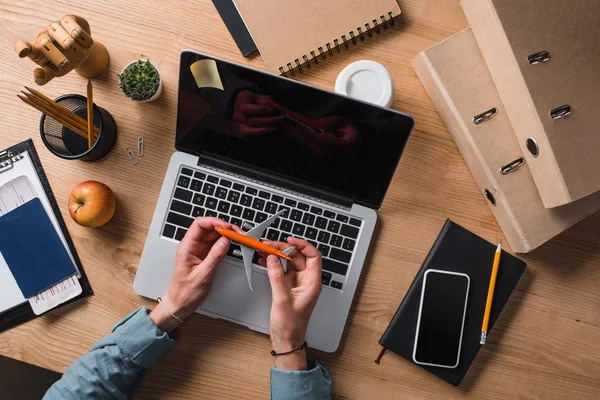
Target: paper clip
(131, 155)
(140, 152)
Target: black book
(236, 26)
(459, 250)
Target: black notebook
(458, 250)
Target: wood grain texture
(545, 345)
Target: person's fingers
(217, 253)
(264, 121)
(277, 278)
(304, 247)
(258, 110)
(201, 232)
(298, 259)
(246, 130)
(313, 257)
(238, 229)
(277, 245)
(208, 225)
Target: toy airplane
(250, 242)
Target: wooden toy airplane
(250, 242)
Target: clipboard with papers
(39, 267)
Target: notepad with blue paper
(32, 249)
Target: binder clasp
(539, 57)
(6, 160)
(484, 116)
(512, 166)
(561, 112)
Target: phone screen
(441, 318)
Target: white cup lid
(368, 81)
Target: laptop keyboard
(201, 194)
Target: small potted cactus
(140, 81)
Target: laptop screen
(278, 126)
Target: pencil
(490, 296)
(90, 113)
(251, 242)
(52, 114)
(60, 109)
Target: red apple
(92, 204)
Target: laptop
(250, 144)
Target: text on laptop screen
(260, 121)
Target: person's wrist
(295, 361)
(163, 320)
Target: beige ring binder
(543, 57)
(508, 187)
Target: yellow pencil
(490, 296)
(90, 113)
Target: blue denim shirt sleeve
(115, 365)
(314, 384)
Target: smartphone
(441, 318)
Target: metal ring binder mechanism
(484, 116)
(386, 22)
(7, 159)
(561, 112)
(538, 57)
(512, 166)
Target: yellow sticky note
(206, 74)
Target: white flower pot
(158, 91)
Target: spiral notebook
(293, 35)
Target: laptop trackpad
(231, 297)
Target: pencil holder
(67, 144)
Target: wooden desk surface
(545, 344)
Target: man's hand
(295, 295)
(198, 256)
(252, 116)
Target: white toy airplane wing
(258, 230)
(248, 253)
